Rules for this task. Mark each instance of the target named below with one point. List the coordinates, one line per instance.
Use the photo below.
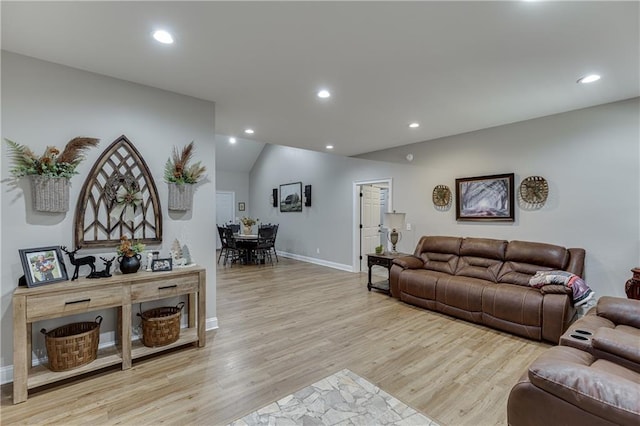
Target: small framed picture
(241, 207)
(44, 265)
(158, 265)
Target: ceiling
(237, 157)
(453, 67)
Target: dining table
(248, 243)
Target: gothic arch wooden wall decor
(119, 197)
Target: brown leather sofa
(592, 378)
(486, 281)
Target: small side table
(385, 260)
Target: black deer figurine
(107, 267)
(87, 260)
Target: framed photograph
(291, 197)
(44, 265)
(485, 198)
(241, 207)
(158, 265)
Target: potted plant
(180, 176)
(49, 173)
(379, 249)
(248, 223)
(129, 255)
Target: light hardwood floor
(283, 328)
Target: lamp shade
(394, 220)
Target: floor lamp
(394, 222)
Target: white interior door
(370, 220)
(225, 210)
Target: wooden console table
(86, 295)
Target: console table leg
(126, 336)
(20, 346)
(202, 309)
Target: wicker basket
(72, 345)
(161, 326)
(180, 196)
(50, 194)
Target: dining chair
(273, 245)
(232, 253)
(266, 238)
(223, 242)
(235, 227)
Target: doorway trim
(355, 263)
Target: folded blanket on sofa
(580, 290)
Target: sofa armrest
(617, 346)
(619, 310)
(409, 262)
(555, 289)
(573, 376)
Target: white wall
(48, 104)
(590, 157)
(237, 182)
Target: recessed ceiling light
(414, 125)
(249, 131)
(163, 37)
(324, 93)
(329, 146)
(589, 78)
(232, 140)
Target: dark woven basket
(161, 326)
(72, 345)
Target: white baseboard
(315, 261)
(106, 339)
(211, 323)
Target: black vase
(129, 265)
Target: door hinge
(360, 257)
(361, 194)
(360, 226)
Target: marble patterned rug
(343, 398)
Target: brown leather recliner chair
(593, 378)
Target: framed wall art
(485, 198)
(241, 206)
(291, 197)
(44, 265)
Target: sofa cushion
(599, 387)
(548, 255)
(524, 259)
(439, 253)
(419, 283)
(483, 247)
(479, 267)
(513, 303)
(438, 245)
(461, 292)
(440, 262)
(618, 346)
(620, 311)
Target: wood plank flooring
(282, 328)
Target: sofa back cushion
(439, 253)
(481, 258)
(523, 259)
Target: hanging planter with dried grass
(181, 178)
(50, 173)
